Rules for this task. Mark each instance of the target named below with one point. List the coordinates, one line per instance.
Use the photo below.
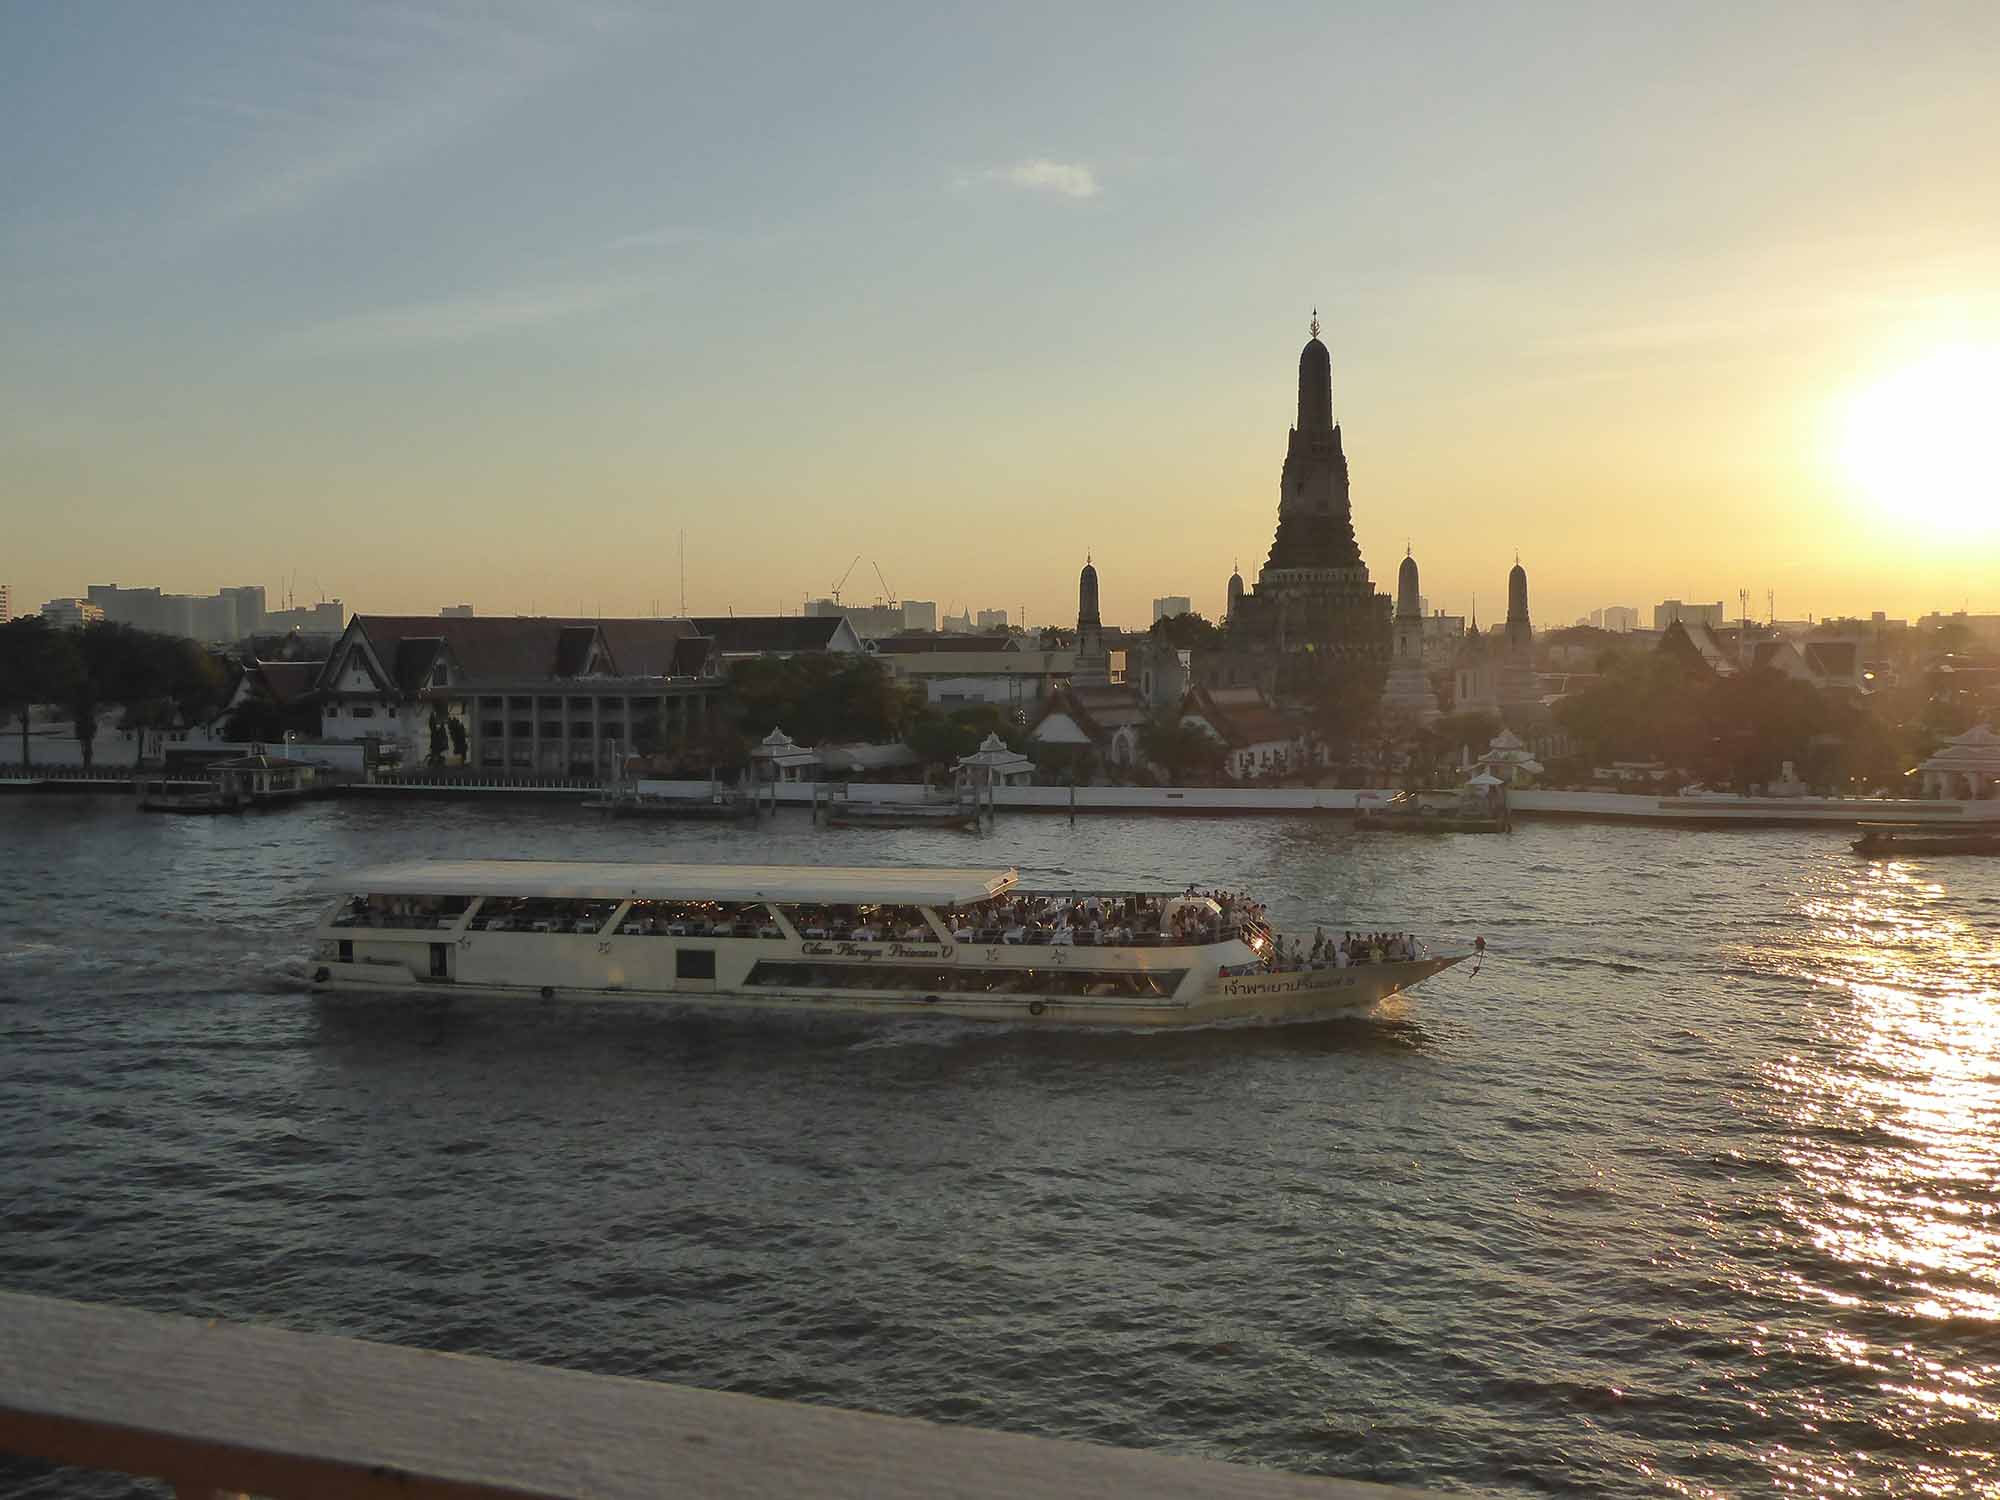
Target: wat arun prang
(1313, 630)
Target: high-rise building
(1616, 618)
(328, 617)
(1170, 606)
(455, 612)
(920, 614)
(249, 608)
(1673, 612)
(1443, 635)
(67, 614)
(227, 615)
(992, 619)
(6, 603)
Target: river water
(1691, 1191)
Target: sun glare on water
(1925, 442)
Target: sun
(1925, 442)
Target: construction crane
(887, 592)
(843, 578)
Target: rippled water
(1691, 1191)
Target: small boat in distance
(632, 800)
(964, 943)
(1891, 842)
(253, 780)
(1480, 806)
(958, 808)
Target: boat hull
(1901, 846)
(1245, 999)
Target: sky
(414, 304)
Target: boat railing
(220, 1408)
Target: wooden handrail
(214, 1406)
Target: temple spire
(1315, 323)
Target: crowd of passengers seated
(1341, 953)
(1137, 920)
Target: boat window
(694, 963)
(699, 919)
(401, 911)
(938, 979)
(863, 922)
(542, 914)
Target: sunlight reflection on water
(1891, 1126)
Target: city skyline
(420, 305)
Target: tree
(440, 736)
(459, 742)
(1181, 749)
(256, 720)
(122, 666)
(37, 665)
(942, 739)
(821, 698)
(1474, 729)
(1189, 632)
(1347, 698)
(1066, 764)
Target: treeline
(1740, 730)
(149, 680)
(834, 699)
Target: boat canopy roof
(914, 885)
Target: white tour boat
(967, 943)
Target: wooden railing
(232, 1408)
(452, 778)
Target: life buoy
(1036, 1008)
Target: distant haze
(423, 304)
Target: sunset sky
(428, 303)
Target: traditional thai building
(1092, 667)
(1107, 719)
(993, 763)
(1517, 686)
(1966, 768)
(531, 694)
(739, 637)
(1408, 690)
(1509, 758)
(1475, 674)
(1260, 740)
(1314, 612)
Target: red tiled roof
(651, 648)
(742, 634)
(287, 680)
(504, 646)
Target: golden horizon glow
(1919, 444)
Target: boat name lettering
(1276, 985)
(876, 950)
